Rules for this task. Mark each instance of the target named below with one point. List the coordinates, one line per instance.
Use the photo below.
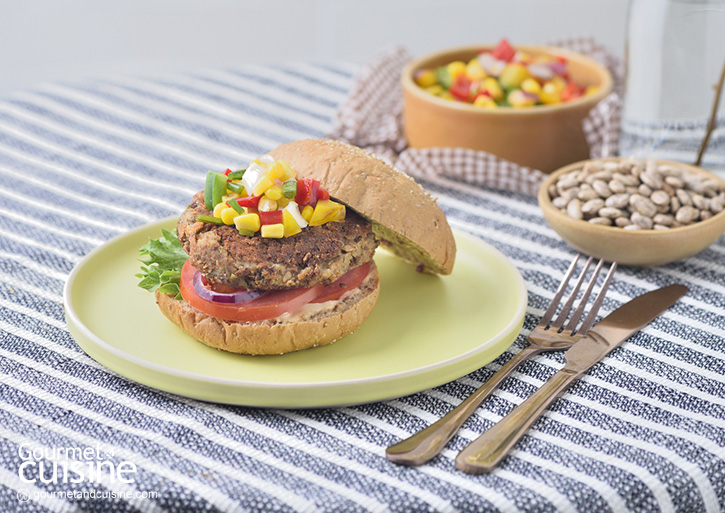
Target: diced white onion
(252, 176)
(541, 71)
(491, 64)
(294, 209)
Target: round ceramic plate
(425, 330)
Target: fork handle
(426, 444)
(484, 453)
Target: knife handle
(484, 453)
(429, 442)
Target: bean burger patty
(318, 255)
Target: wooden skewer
(713, 116)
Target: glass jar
(675, 54)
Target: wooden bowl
(644, 248)
(543, 137)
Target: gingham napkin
(372, 118)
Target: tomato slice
(272, 304)
(349, 281)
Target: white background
(52, 40)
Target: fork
(548, 335)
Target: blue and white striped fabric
(644, 430)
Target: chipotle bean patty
(319, 254)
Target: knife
(483, 454)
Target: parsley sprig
(162, 259)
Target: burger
(278, 257)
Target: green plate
(424, 331)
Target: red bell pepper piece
(322, 194)
(248, 201)
(571, 92)
(504, 51)
(273, 217)
(227, 172)
(307, 190)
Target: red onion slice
(240, 296)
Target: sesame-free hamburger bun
(405, 218)
(383, 206)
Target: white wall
(46, 40)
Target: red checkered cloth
(371, 118)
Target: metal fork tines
(548, 335)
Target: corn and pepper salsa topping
(503, 77)
(267, 198)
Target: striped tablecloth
(644, 430)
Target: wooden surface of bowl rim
(545, 201)
(604, 89)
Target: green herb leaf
(162, 259)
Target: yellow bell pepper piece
(307, 213)
(290, 224)
(262, 185)
(326, 211)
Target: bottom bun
(283, 334)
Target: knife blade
(483, 454)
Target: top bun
(405, 218)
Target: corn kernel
(266, 205)
(307, 213)
(273, 231)
(435, 90)
(248, 222)
(455, 68)
(446, 95)
(425, 78)
(274, 192)
(283, 202)
(493, 88)
(326, 211)
(550, 94)
(262, 185)
(531, 85)
(483, 100)
(474, 70)
(217, 212)
(518, 98)
(512, 75)
(591, 89)
(290, 224)
(228, 214)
